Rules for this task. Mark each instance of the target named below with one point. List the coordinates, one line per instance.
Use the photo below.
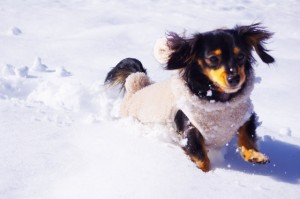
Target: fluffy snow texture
(60, 136)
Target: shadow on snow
(284, 157)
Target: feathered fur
(119, 73)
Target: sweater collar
(183, 94)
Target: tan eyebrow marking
(236, 50)
(200, 63)
(217, 52)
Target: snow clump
(38, 65)
(14, 31)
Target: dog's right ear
(180, 49)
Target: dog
(208, 100)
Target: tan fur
(217, 52)
(248, 148)
(219, 77)
(204, 165)
(236, 50)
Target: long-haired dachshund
(208, 101)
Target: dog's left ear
(255, 37)
(180, 49)
(176, 51)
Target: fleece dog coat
(159, 102)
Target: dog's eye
(213, 59)
(241, 57)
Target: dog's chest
(219, 126)
(216, 121)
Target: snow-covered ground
(59, 132)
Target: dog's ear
(255, 37)
(182, 50)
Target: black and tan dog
(209, 100)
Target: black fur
(195, 142)
(252, 124)
(255, 37)
(186, 52)
(122, 70)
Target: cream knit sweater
(159, 102)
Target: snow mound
(22, 71)
(285, 131)
(8, 70)
(14, 31)
(38, 65)
(62, 72)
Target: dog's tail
(119, 74)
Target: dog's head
(219, 60)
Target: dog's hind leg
(247, 142)
(194, 147)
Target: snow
(38, 66)
(14, 31)
(59, 132)
(209, 93)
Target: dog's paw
(204, 165)
(253, 156)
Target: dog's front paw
(253, 156)
(204, 165)
(258, 158)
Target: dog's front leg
(247, 142)
(194, 146)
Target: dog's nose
(233, 80)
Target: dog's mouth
(224, 89)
